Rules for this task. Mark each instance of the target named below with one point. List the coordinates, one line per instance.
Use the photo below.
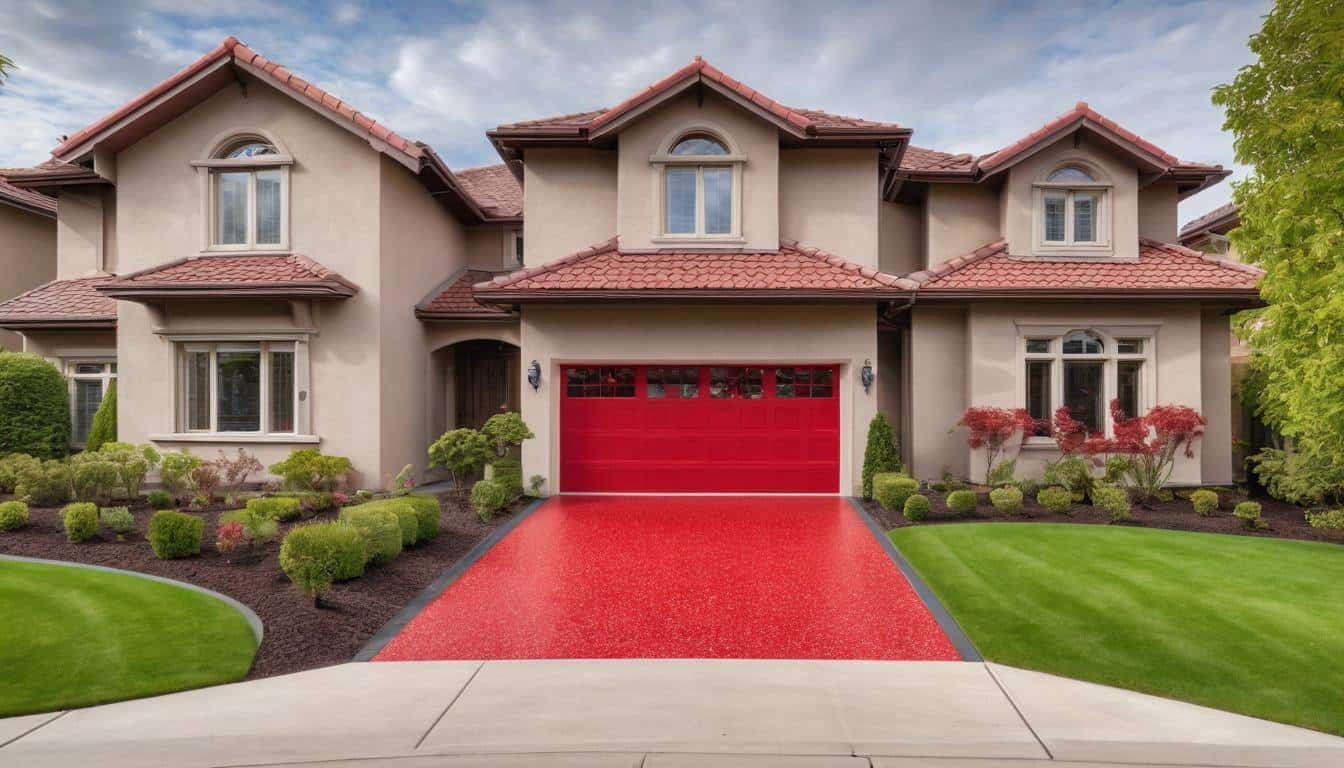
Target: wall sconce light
(534, 375)
(866, 375)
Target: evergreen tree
(881, 455)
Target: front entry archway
(486, 381)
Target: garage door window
(683, 383)
(600, 382)
(735, 383)
(804, 382)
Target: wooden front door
(486, 380)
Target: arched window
(1070, 173)
(1083, 343)
(249, 148)
(1072, 209)
(699, 144)
(1084, 370)
(700, 187)
(248, 195)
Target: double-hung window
(699, 189)
(248, 198)
(1072, 210)
(238, 387)
(89, 382)
(1084, 370)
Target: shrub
(1113, 499)
(175, 472)
(1205, 502)
(1151, 441)
(916, 507)
(506, 430)
(13, 515)
(315, 555)
(961, 502)
(462, 452)
(133, 462)
(1055, 499)
(11, 467)
(119, 520)
(404, 481)
(508, 472)
(487, 498)
(427, 513)
(1002, 474)
(229, 536)
(235, 471)
(44, 484)
(81, 521)
(535, 484)
(34, 407)
(258, 529)
(1073, 473)
(1008, 501)
(996, 430)
(881, 455)
(1029, 488)
(308, 470)
(276, 507)
(92, 476)
(160, 499)
(310, 501)
(175, 534)
(104, 427)
(405, 510)
(205, 479)
(1249, 512)
(339, 499)
(1331, 519)
(380, 528)
(891, 489)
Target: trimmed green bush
(891, 489)
(408, 519)
(1029, 488)
(133, 462)
(175, 534)
(1205, 502)
(961, 503)
(506, 430)
(314, 556)
(508, 472)
(34, 407)
(916, 507)
(308, 470)
(13, 515)
(81, 521)
(104, 427)
(1330, 519)
(44, 484)
(175, 473)
(381, 530)
(1056, 499)
(1007, 501)
(276, 507)
(309, 501)
(92, 476)
(881, 454)
(160, 499)
(12, 466)
(1113, 499)
(1249, 512)
(427, 514)
(119, 520)
(487, 498)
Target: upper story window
(513, 248)
(247, 191)
(1072, 210)
(700, 189)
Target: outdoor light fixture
(866, 375)
(534, 375)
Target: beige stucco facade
(28, 256)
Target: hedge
(315, 555)
(276, 507)
(427, 513)
(34, 407)
(381, 530)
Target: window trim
(1101, 187)
(663, 160)
(211, 165)
(511, 259)
(301, 414)
(108, 376)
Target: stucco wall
(556, 334)
(938, 384)
(27, 258)
(1216, 448)
(638, 217)
(900, 237)
(828, 199)
(79, 234)
(960, 218)
(1158, 213)
(569, 199)
(55, 345)
(486, 245)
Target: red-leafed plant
(994, 429)
(229, 536)
(1148, 442)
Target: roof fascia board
(27, 207)
(552, 295)
(62, 324)
(633, 113)
(1082, 122)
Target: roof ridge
(501, 281)
(956, 263)
(886, 278)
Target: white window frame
(664, 160)
(265, 347)
(512, 259)
(209, 168)
(1101, 245)
(1110, 335)
(109, 375)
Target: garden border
(946, 622)
(441, 583)
(253, 621)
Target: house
(699, 289)
(1209, 232)
(27, 245)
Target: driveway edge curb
(946, 622)
(440, 583)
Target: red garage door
(700, 429)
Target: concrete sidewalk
(658, 714)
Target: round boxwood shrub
(1205, 502)
(159, 499)
(1007, 501)
(13, 515)
(961, 502)
(1056, 499)
(1113, 499)
(427, 513)
(916, 507)
(276, 507)
(175, 534)
(34, 407)
(381, 531)
(81, 521)
(891, 489)
(487, 498)
(1249, 512)
(315, 555)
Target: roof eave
(1091, 294)
(73, 323)
(557, 295)
(150, 292)
(27, 207)
(486, 317)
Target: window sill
(1076, 251)
(224, 250)
(1040, 444)
(234, 437)
(700, 242)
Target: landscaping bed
(298, 635)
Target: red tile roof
(1080, 113)
(454, 300)
(494, 188)
(924, 159)
(61, 303)
(1223, 216)
(1162, 268)
(27, 199)
(605, 271)
(242, 276)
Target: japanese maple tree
(1150, 442)
(994, 429)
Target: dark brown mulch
(1284, 521)
(298, 636)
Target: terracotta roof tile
(924, 159)
(455, 300)
(24, 198)
(494, 188)
(242, 273)
(1223, 214)
(790, 269)
(60, 302)
(1160, 267)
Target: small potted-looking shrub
(1249, 514)
(13, 515)
(916, 507)
(961, 502)
(81, 521)
(1006, 500)
(1205, 502)
(174, 535)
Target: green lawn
(74, 637)
(1249, 625)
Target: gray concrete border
(444, 580)
(254, 621)
(949, 625)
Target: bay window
(1084, 370)
(238, 387)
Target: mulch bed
(1284, 521)
(298, 636)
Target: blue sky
(967, 76)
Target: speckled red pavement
(679, 577)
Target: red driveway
(679, 577)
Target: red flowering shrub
(229, 536)
(992, 429)
(1150, 442)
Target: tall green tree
(1286, 112)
